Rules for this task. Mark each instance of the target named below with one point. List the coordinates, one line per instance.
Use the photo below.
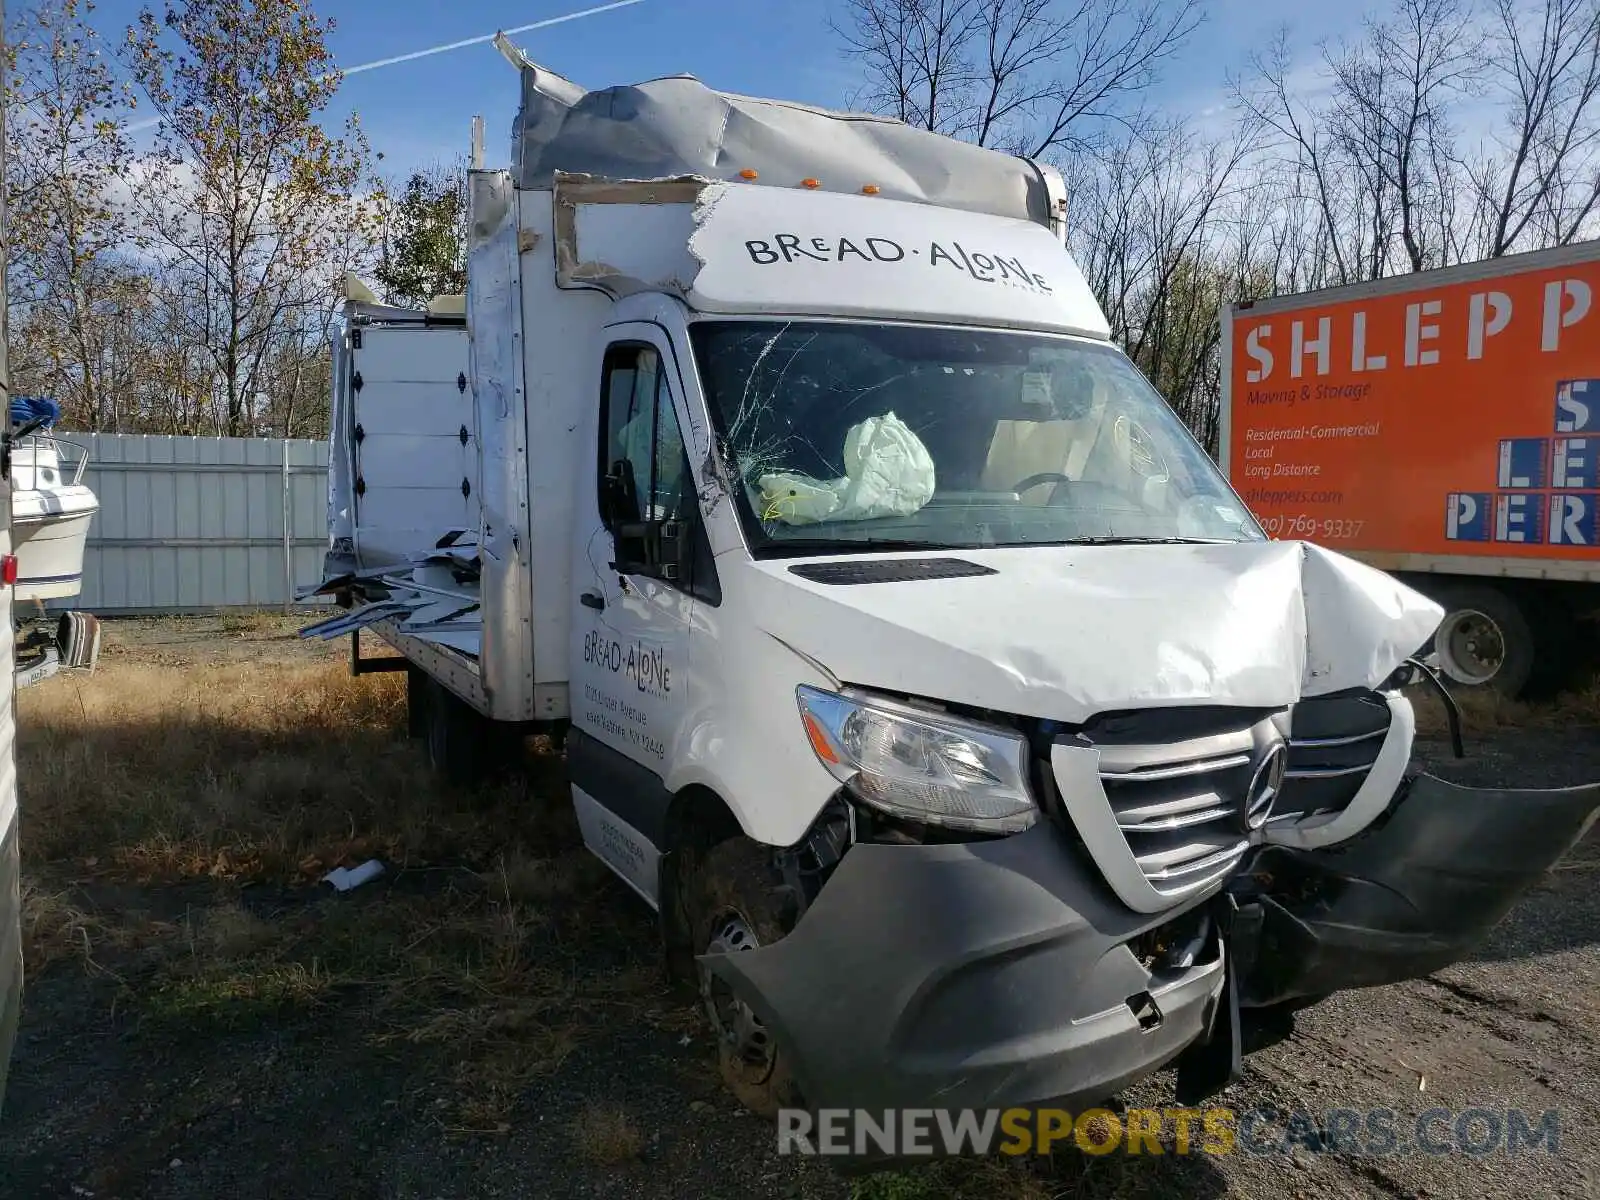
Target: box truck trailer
(973, 742)
(1443, 426)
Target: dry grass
(607, 1136)
(247, 624)
(259, 771)
(1487, 711)
(176, 821)
(243, 771)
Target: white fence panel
(194, 524)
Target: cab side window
(642, 444)
(644, 474)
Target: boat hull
(50, 530)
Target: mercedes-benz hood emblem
(1267, 774)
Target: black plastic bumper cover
(997, 974)
(1413, 893)
(982, 975)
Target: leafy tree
(247, 202)
(68, 281)
(425, 237)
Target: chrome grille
(1177, 803)
(1159, 797)
(1333, 744)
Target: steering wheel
(1033, 481)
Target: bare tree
(1030, 76)
(1393, 92)
(1157, 228)
(1368, 134)
(1540, 181)
(1269, 95)
(916, 58)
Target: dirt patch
(489, 1017)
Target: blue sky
(421, 110)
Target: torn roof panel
(677, 126)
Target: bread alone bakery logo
(1007, 271)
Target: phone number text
(1303, 525)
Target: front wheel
(736, 903)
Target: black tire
(1485, 641)
(1562, 658)
(454, 736)
(416, 703)
(736, 882)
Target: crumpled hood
(1066, 632)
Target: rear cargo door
(416, 448)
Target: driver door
(642, 565)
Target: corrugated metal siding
(196, 524)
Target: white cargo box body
(648, 188)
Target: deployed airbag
(888, 473)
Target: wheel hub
(735, 1023)
(1471, 647)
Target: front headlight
(921, 766)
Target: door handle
(592, 600)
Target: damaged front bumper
(1004, 974)
(978, 975)
(1416, 891)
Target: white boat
(50, 517)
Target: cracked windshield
(893, 436)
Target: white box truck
(974, 744)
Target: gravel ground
(103, 1103)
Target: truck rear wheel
(454, 736)
(1485, 640)
(416, 703)
(463, 745)
(735, 904)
